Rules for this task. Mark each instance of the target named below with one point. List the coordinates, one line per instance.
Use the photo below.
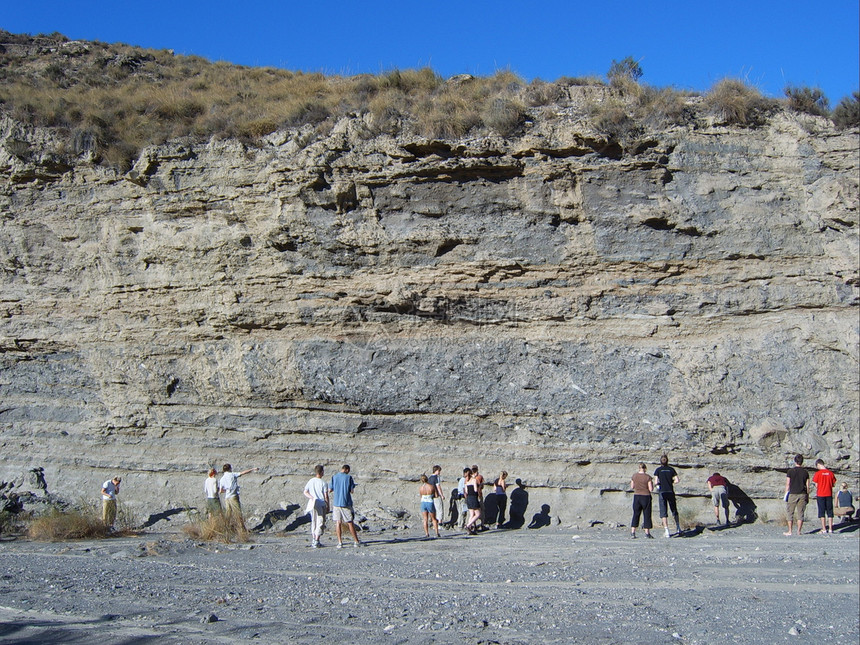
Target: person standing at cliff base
(427, 491)
(342, 485)
(797, 494)
(210, 489)
(110, 489)
(439, 501)
(642, 486)
(824, 481)
(665, 478)
(318, 504)
(229, 485)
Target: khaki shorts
(342, 514)
(795, 506)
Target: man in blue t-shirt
(665, 478)
(342, 485)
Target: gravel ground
(747, 584)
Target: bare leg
(790, 525)
(338, 529)
(351, 526)
(426, 528)
(436, 524)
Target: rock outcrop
(552, 304)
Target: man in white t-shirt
(316, 491)
(110, 489)
(229, 485)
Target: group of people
(797, 489)
(472, 511)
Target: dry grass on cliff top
(112, 99)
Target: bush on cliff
(736, 103)
(847, 113)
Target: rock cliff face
(553, 305)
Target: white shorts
(342, 514)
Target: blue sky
(688, 45)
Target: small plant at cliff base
(847, 113)
(737, 103)
(217, 529)
(809, 100)
(81, 522)
(71, 524)
(688, 518)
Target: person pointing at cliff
(229, 485)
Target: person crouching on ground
(110, 489)
(318, 504)
(428, 508)
(229, 485)
(844, 503)
(642, 486)
(210, 489)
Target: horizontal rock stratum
(551, 304)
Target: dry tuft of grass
(217, 529)
(736, 103)
(75, 524)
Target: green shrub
(624, 72)
(847, 113)
(810, 100)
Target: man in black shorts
(665, 478)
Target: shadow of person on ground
(277, 515)
(300, 520)
(491, 509)
(745, 508)
(164, 515)
(846, 527)
(519, 503)
(539, 520)
(693, 532)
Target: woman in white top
(210, 489)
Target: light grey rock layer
(551, 305)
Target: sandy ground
(746, 584)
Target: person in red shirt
(824, 481)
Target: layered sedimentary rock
(551, 304)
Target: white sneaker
(315, 544)
(340, 545)
(667, 532)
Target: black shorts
(825, 506)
